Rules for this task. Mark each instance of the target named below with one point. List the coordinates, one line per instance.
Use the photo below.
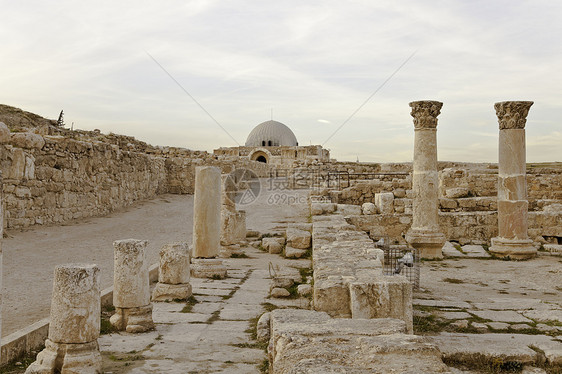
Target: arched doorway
(260, 155)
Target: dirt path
(30, 256)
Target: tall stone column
(72, 345)
(173, 273)
(424, 234)
(207, 224)
(512, 240)
(131, 287)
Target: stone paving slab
(500, 315)
(449, 250)
(508, 304)
(475, 251)
(442, 303)
(505, 347)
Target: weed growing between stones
(105, 326)
(483, 364)
(214, 317)
(453, 280)
(191, 301)
(20, 364)
(269, 306)
(239, 255)
(264, 366)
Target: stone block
(457, 192)
(4, 133)
(369, 209)
(27, 140)
(304, 341)
(385, 202)
(291, 252)
(298, 238)
(273, 245)
(349, 210)
(385, 297)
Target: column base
(81, 358)
(428, 243)
(133, 320)
(515, 249)
(208, 268)
(170, 292)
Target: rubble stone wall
(51, 179)
(462, 227)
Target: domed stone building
(273, 142)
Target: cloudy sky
(313, 63)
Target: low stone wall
(348, 276)
(463, 227)
(51, 179)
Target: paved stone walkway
(213, 337)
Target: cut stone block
(298, 238)
(369, 209)
(305, 341)
(385, 202)
(291, 252)
(386, 297)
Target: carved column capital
(512, 114)
(425, 113)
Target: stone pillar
(233, 222)
(131, 287)
(207, 224)
(512, 240)
(424, 234)
(173, 273)
(72, 344)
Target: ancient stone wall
(51, 179)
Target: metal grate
(401, 260)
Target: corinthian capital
(512, 114)
(425, 113)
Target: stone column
(512, 240)
(424, 234)
(233, 222)
(131, 287)
(173, 273)
(72, 344)
(207, 224)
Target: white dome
(271, 133)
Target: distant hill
(20, 120)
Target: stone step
(499, 348)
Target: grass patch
(105, 326)
(453, 280)
(21, 363)
(239, 255)
(191, 301)
(483, 364)
(305, 273)
(214, 317)
(264, 366)
(269, 306)
(120, 357)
